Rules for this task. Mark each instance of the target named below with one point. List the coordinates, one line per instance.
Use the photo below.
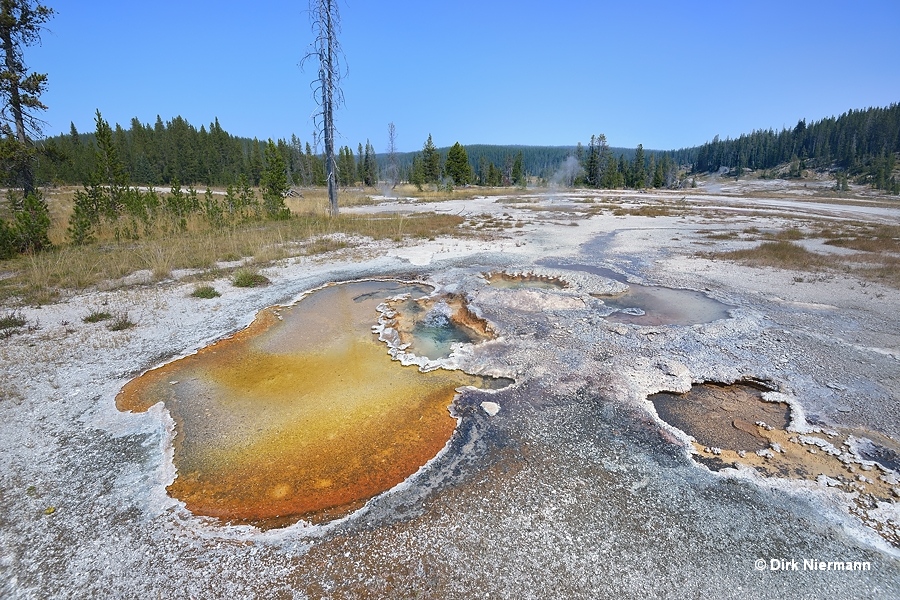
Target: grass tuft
(249, 278)
(721, 235)
(12, 320)
(790, 234)
(97, 316)
(206, 292)
(120, 322)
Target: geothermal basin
(303, 414)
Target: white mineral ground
(574, 488)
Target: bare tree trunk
(328, 113)
(327, 50)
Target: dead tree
(326, 50)
(393, 174)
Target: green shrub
(8, 240)
(121, 322)
(206, 292)
(249, 278)
(97, 316)
(12, 320)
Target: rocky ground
(575, 488)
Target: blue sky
(664, 74)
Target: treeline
(447, 170)
(176, 151)
(860, 143)
(539, 162)
(109, 200)
(362, 168)
(599, 167)
(454, 166)
(153, 155)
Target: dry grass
(488, 222)
(781, 254)
(430, 193)
(885, 270)
(36, 279)
(876, 261)
(315, 200)
(721, 235)
(120, 322)
(11, 324)
(646, 210)
(789, 234)
(878, 239)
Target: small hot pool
(653, 305)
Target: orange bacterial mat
(303, 415)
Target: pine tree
(457, 165)
(105, 189)
(482, 170)
(417, 172)
(21, 22)
(85, 216)
(495, 176)
(591, 164)
(370, 166)
(431, 162)
(33, 224)
(638, 172)
(610, 178)
(274, 183)
(256, 163)
(8, 247)
(623, 172)
(346, 167)
(518, 170)
(109, 174)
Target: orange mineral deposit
(303, 415)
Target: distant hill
(539, 161)
(860, 143)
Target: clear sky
(666, 74)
